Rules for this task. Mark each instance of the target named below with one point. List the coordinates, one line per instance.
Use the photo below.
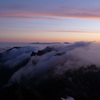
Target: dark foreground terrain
(46, 74)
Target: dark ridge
(17, 92)
(1, 54)
(47, 49)
(66, 43)
(42, 52)
(45, 43)
(81, 84)
(6, 72)
(33, 53)
(13, 48)
(59, 54)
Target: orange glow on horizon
(48, 36)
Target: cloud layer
(34, 68)
(59, 59)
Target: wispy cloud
(74, 31)
(29, 16)
(33, 13)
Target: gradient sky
(49, 20)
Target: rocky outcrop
(42, 52)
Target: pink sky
(49, 21)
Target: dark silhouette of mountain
(42, 52)
(17, 92)
(13, 48)
(49, 43)
(25, 75)
(46, 43)
(66, 43)
(81, 84)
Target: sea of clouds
(27, 69)
(61, 58)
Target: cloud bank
(59, 59)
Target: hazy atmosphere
(49, 49)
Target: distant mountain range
(49, 43)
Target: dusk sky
(49, 20)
